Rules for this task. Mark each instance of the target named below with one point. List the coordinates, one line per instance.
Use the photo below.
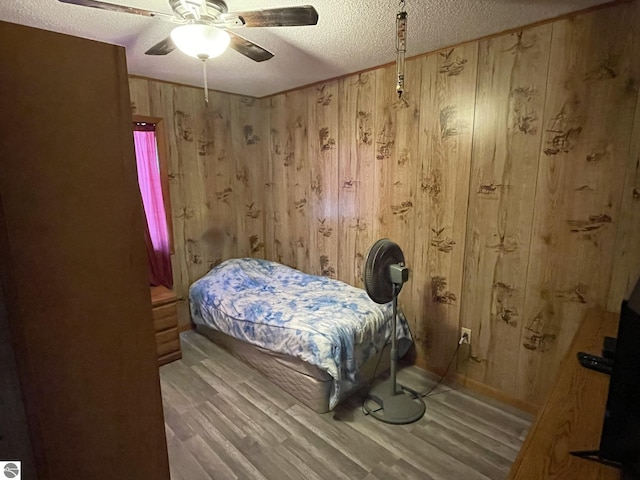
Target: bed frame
(305, 382)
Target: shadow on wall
(215, 242)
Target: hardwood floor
(225, 421)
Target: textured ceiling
(351, 35)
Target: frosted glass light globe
(200, 41)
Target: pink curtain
(159, 251)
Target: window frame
(161, 143)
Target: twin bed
(317, 338)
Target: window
(148, 137)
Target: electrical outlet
(467, 332)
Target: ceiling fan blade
(248, 48)
(280, 17)
(118, 8)
(163, 47)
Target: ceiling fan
(204, 30)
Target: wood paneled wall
(501, 174)
(217, 166)
(508, 173)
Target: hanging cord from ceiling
(203, 10)
(401, 47)
(204, 75)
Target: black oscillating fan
(384, 275)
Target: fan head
(384, 271)
(384, 275)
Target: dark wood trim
(163, 155)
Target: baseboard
(483, 389)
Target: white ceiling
(351, 35)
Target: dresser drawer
(165, 323)
(161, 295)
(167, 341)
(165, 317)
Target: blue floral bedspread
(322, 321)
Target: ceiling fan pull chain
(204, 74)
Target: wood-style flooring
(225, 421)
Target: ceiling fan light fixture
(200, 40)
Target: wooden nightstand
(165, 322)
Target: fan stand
(396, 403)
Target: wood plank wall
(501, 175)
(508, 174)
(217, 165)
(512, 75)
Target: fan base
(405, 406)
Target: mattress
(305, 382)
(324, 330)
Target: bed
(317, 338)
